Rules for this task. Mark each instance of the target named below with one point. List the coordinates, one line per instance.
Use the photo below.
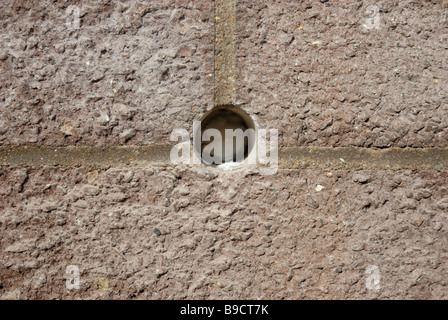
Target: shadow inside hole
(223, 118)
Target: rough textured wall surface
(183, 233)
(313, 70)
(132, 72)
(135, 70)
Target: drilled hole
(233, 150)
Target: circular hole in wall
(233, 150)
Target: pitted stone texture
(182, 233)
(133, 72)
(136, 70)
(313, 71)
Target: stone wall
(135, 70)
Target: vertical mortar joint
(224, 54)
